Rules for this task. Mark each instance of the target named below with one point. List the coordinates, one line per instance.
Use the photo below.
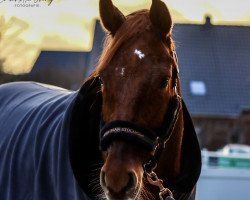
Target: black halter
(152, 140)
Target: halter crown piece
(152, 140)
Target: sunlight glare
(69, 25)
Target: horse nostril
(131, 183)
(103, 182)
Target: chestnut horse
(128, 123)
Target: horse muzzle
(127, 187)
(122, 172)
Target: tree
(1, 65)
(12, 48)
(1, 59)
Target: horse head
(137, 76)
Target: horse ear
(160, 17)
(111, 17)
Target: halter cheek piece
(152, 140)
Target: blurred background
(59, 42)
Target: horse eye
(100, 81)
(164, 83)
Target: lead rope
(158, 182)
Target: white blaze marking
(139, 53)
(122, 71)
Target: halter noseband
(127, 131)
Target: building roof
(63, 60)
(217, 59)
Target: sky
(69, 24)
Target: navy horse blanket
(34, 143)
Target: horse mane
(136, 24)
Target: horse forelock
(136, 24)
